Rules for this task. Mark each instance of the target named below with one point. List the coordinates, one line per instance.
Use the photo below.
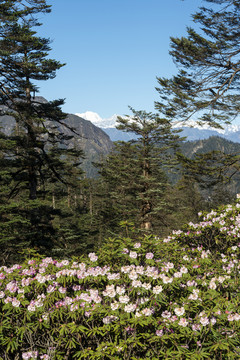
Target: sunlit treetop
(206, 85)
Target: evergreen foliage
(134, 170)
(207, 83)
(205, 88)
(33, 156)
(46, 204)
(185, 201)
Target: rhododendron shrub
(150, 299)
(216, 230)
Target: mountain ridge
(91, 139)
(191, 129)
(96, 142)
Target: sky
(113, 51)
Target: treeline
(47, 204)
(134, 193)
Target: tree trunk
(53, 201)
(68, 198)
(146, 209)
(32, 183)
(146, 223)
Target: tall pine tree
(135, 170)
(32, 156)
(206, 87)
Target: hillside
(92, 140)
(217, 143)
(96, 143)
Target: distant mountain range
(108, 126)
(98, 121)
(95, 136)
(191, 130)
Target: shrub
(172, 298)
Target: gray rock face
(92, 138)
(6, 124)
(95, 143)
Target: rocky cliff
(92, 140)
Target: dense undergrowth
(172, 298)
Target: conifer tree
(206, 87)
(212, 172)
(134, 171)
(32, 156)
(185, 201)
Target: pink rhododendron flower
(114, 306)
(15, 302)
(204, 321)
(137, 245)
(129, 308)
(124, 299)
(30, 355)
(166, 314)
(147, 312)
(133, 254)
(196, 327)
(179, 311)
(157, 289)
(183, 322)
(93, 257)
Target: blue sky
(113, 50)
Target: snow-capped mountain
(194, 124)
(108, 125)
(98, 121)
(190, 129)
(194, 131)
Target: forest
(140, 261)
(49, 204)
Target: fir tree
(33, 155)
(185, 201)
(207, 83)
(134, 171)
(213, 172)
(206, 86)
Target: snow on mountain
(231, 129)
(191, 129)
(98, 121)
(91, 116)
(112, 120)
(227, 129)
